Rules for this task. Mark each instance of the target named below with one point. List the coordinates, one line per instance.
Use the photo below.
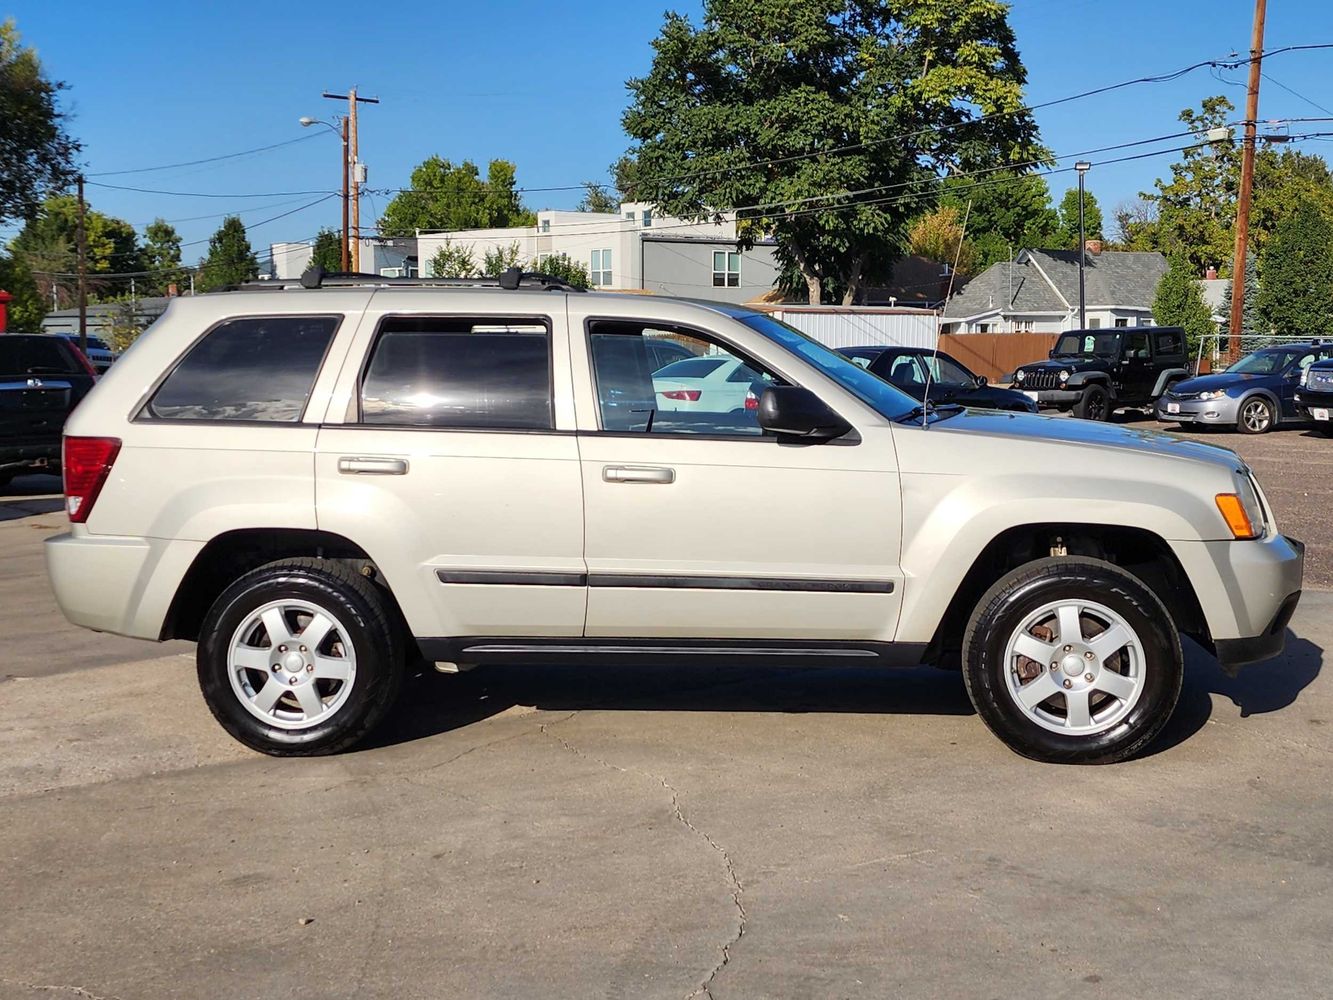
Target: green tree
(230, 260)
(623, 171)
(161, 257)
(36, 153)
(499, 259)
(1296, 296)
(28, 307)
(1067, 237)
(1007, 211)
(452, 261)
(598, 198)
(1250, 321)
(49, 245)
(447, 197)
(939, 236)
(1179, 302)
(1283, 178)
(328, 251)
(783, 104)
(561, 266)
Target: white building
(392, 258)
(630, 249)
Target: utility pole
(347, 166)
(1082, 166)
(354, 164)
(83, 272)
(1246, 180)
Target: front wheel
(299, 657)
(1095, 404)
(1072, 661)
(1256, 416)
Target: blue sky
(542, 84)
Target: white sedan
(714, 383)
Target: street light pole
(1082, 166)
(306, 122)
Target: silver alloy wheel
(1256, 416)
(291, 664)
(1074, 667)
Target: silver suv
(318, 483)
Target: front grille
(1041, 379)
(1172, 394)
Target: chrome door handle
(637, 474)
(373, 466)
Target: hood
(1079, 363)
(1222, 380)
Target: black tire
(369, 622)
(1258, 425)
(1094, 404)
(1003, 609)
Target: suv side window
(253, 368)
(1136, 346)
(1170, 344)
(715, 393)
(488, 372)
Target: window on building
(983, 328)
(726, 269)
(455, 371)
(1121, 321)
(647, 218)
(256, 368)
(629, 216)
(600, 272)
(1095, 323)
(546, 225)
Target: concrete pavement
(650, 832)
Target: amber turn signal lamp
(1233, 512)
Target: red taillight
(86, 463)
(689, 395)
(751, 401)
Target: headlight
(1020, 375)
(1064, 376)
(1213, 394)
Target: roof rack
(511, 280)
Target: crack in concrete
(704, 989)
(78, 991)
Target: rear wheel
(1072, 661)
(300, 657)
(1256, 416)
(1095, 404)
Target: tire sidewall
(1000, 613)
(1085, 404)
(349, 607)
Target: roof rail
(511, 280)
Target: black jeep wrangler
(1096, 372)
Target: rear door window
(456, 371)
(256, 368)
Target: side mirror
(1051, 353)
(982, 381)
(796, 412)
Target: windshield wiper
(941, 411)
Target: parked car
(1096, 372)
(1314, 399)
(950, 380)
(98, 352)
(715, 383)
(316, 483)
(42, 379)
(1254, 395)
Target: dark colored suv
(1096, 372)
(41, 380)
(1314, 399)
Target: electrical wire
(210, 159)
(1296, 93)
(206, 194)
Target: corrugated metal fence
(855, 326)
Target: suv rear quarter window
(488, 372)
(255, 368)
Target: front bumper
(1308, 402)
(1052, 397)
(1224, 411)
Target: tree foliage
(598, 198)
(447, 197)
(562, 266)
(36, 152)
(499, 259)
(939, 236)
(1296, 296)
(230, 260)
(770, 106)
(48, 244)
(328, 251)
(161, 257)
(1250, 321)
(452, 261)
(1179, 302)
(1009, 211)
(28, 307)
(1067, 238)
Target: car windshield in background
(1099, 344)
(870, 389)
(1262, 363)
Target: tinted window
(691, 367)
(37, 356)
(256, 368)
(946, 371)
(1170, 343)
(1136, 346)
(1088, 343)
(863, 356)
(449, 371)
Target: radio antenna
(948, 294)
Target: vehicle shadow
(435, 703)
(25, 496)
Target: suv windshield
(870, 389)
(1263, 362)
(1084, 343)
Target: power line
(209, 159)
(206, 194)
(1296, 93)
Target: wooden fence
(997, 354)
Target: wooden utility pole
(82, 238)
(1246, 180)
(347, 167)
(354, 165)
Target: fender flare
(1166, 377)
(1081, 380)
(1267, 394)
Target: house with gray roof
(1037, 292)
